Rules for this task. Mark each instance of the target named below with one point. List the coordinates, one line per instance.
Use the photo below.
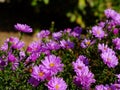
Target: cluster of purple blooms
(49, 67)
(84, 77)
(108, 56)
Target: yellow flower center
(56, 86)
(52, 65)
(98, 32)
(88, 42)
(41, 74)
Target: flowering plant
(64, 60)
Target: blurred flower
(78, 65)
(43, 34)
(86, 42)
(109, 13)
(115, 87)
(98, 32)
(110, 59)
(83, 59)
(23, 28)
(52, 45)
(52, 64)
(116, 42)
(57, 35)
(11, 57)
(76, 32)
(102, 24)
(22, 55)
(33, 81)
(85, 78)
(34, 47)
(56, 84)
(115, 31)
(102, 87)
(102, 47)
(66, 44)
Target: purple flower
(22, 55)
(86, 42)
(15, 65)
(34, 56)
(110, 59)
(4, 47)
(102, 47)
(53, 45)
(66, 44)
(102, 24)
(98, 32)
(23, 28)
(85, 78)
(43, 34)
(57, 35)
(115, 31)
(16, 43)
(11, 57)
(52, 64)
(2, 62)
(117, 19)
(34, 82)
(110, 13)
(39, 72)
(102, 87)
(118, 76)
(115, 87)
(83, 59)
(78, 65)
(34, 47)
(76, 32)
(116, 42)
(56, 84)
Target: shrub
(64, 59)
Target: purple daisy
(43, 34)
(86, 42)
(85, 78)
(66, 44)
(83, 59)
(57, 35)
(34, 82)
(76, 32)
(116, 42)
(78, 65)
(102, 47)
(11, 57)
(109, 13)
(102, 87)
(110, 59)
(56, 84)
(39, 72)
(23, 28)
(34, 47)
(53, 45)
(52, 64)
(98, 32)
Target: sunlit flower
(98, 32)
(52, 64)
(110, 59)
(56, 84)
(23, 28)
(39, 72)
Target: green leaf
(46, 1)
